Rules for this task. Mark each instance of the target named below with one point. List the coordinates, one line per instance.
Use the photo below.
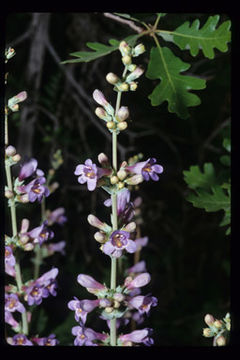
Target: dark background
(188, 253)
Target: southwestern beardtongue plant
(29, 186)
(116, 303)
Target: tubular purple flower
(46, 341)
(118, 241)
(28, 169)
(57, 216)
(56, 247)
(137, 268)
(35, 189)
(125, 209)
(141, 242)
(12, 303)
(148, 169)
(86, 336)
(143, 303)
(9, 261)
(82, 308)
(139, 281)
(90, 283)
(138, 336)
(9, 319)
(19, 339)
(41, 233)
(90, 173)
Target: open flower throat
(119, 240)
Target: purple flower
(41, 233)
(42, 287)
(47, 341)
(90, 173)
(28, 169)
(9, 261)
(143, 303)
(9, 319)
(118, 241)
(125, 208)
(57, 247)
(148, 169)
(90, 284)
(82, 308)
(137, 336)
(86, 336)
(35, 189)
(137, 268)
(57, 216)
(140, 242)
(139, 281)
(12, 303)
(19, 339)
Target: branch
(130, 23)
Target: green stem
(14, 231)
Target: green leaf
(207, 38)
(174, 87)
(197, 179)
(211, 202)
(99, 50)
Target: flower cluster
(31, 185)
(218, 329)
(125, 302)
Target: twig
(130, 23)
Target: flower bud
(105, 303)
(128, 343)
(122, 174)
(209, 319)
(122, 114)
(132, 67)
(103, 159)
(24, 239)
(119, 297)
(135, 179)
(135, 74)
(221, 341)
(99, 97)
(100, 237)
(10, 150)
(16, 158)
(8, 194)
(110, 124)
(116, 304)
(24, 225)
(123, 87)
(133, 86)
(28, 247)
(94, 221)
(124, 48)
(9, 53)
(122, 125)
(114, 179)
(138, 50)
(112, 78)
(207, 332)
(120, 185)
(109, 309)
(130, 227)
(218, 324)
(126, 60)
(100, 112)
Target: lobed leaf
(174, 86)
(195, 178)
(207, 38)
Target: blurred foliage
(188, 253)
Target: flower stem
(14, 229)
